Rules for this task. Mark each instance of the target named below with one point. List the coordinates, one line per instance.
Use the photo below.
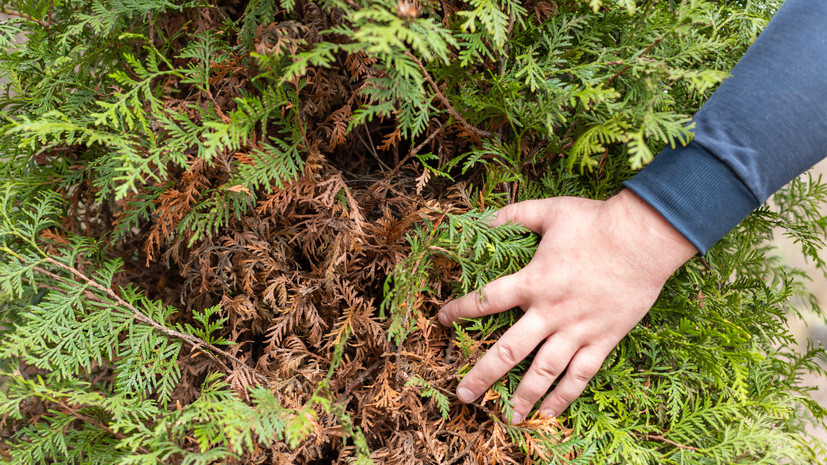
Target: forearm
(763, 127)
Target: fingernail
(465, 395)
(443, 318)
(516, 418)
(548, 413)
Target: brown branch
(415, 150)
(644, 52)
(372, 150)
(469, 445)
(479, 132)
(218, 111)
(425, 142)
(659, 438)
(568, 144)
(361, 379)
(24, 16)
(197, 343)
(95, 422)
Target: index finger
(497, 296)
(508, 351)
(527, 213)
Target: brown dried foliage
(305, 268)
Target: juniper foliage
(226, 229)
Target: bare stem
(93, 421)
(24, 16)
(644, 52)
(361, 379)
(416, 150)
(659, 438)
(479, 132)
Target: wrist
(645, 236)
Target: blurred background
(811, 326)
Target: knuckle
(527, 283)
(583, 372)
(555, 403)
(518, 212)
(481, 300)
(512, 213)
(547, 371)
(522, 402)
(582, 376)
(507, 353)
(460, 307)
(479, 303)
(475, 384)
(502, 215)
(563, 400)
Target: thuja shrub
(226, 229)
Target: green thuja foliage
(482, 252)
(226, 228)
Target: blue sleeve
(763, 126)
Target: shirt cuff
(695, 192)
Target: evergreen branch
(644, 52)
(473, 129)
(415, 150)
(24, 16)
(197, 343)
(718, 375)
(226, 119)
(659, 438)
(65, 408)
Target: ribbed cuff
(696, 192)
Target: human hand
(598, 269)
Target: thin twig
(218, 111)
(24, 16)
(415, 150)
(469, 445)
(507, 45)
(659, 438)
(93, 421)
(644, 52)
(479, 132)
(427, 140)
(373, 149)
(361, 379)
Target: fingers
(585, 364)
(549, 362)
(530, 213)
(512, 348)
(497, 296)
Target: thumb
(530, 213)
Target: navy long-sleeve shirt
(763, 126)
